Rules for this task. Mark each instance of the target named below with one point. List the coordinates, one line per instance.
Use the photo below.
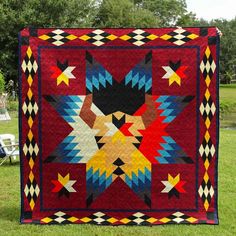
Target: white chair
(8, 147)
(4, 115)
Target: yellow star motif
(174, 72)
(174, 78)
(62, 72)
(62, 78)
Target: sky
(212, 9)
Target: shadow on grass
(7, 163)
(10, 213)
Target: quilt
(119, 126)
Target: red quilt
(119, 126)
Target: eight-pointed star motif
(112, 126)
(63, 185)
(173, 186)
(174, 72)
(62, 72)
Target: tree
(123, 13)
(1, 83)
(228, 48)
(167, 11)
(15, 15)
(142, 13)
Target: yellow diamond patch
(73, 219)
(111, 37)
(85, 37)
(208, 80)
(151, 220)
(44, 37)
(31, 163)
(29, 93)
(191, 219)
(46, 220)
(166, 37)
(29, 52)
(207, 52)
(207, 122)
(125, 37)
(71, 37)
(206, 164)
(32, 204)
(192, 36)
(206, 177)
(30, 80)
(112, 220)
(152, 37)
(30, 121)
(165, 220)
(86, 219)
(207, 136)
(125, 220)
(206, 205)
(31, 176)
(30, 135)
(207, 94)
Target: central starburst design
(119, 129)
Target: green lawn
(228, 105)
(10, 202)
(10, 127)
(10, 192)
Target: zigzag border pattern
(207, 110)
(138, 37)
(30, 110)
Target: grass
(228, 105)
(11, 126)
(10, 202)
(10, 195)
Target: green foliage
(228, 105)
(12, 105)
(16, 15)
(123, 13)
(167, 11)
(2, 82)
(227, 45)
(228, 48)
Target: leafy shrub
(12, 105)
(2, 82)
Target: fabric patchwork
(57, 37)
(99, 218)
(171, 152)
(174, 72)
(63, 185)
(31, 190)
(179, 218)
(138, 219)
(138, 37)
(59, 218)
(62, 72)
(171, 106)
(207, 110)
(98, 37)
(119, 126)
(206, 191)
(173, 186)
(141, 75)
(179, 36)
